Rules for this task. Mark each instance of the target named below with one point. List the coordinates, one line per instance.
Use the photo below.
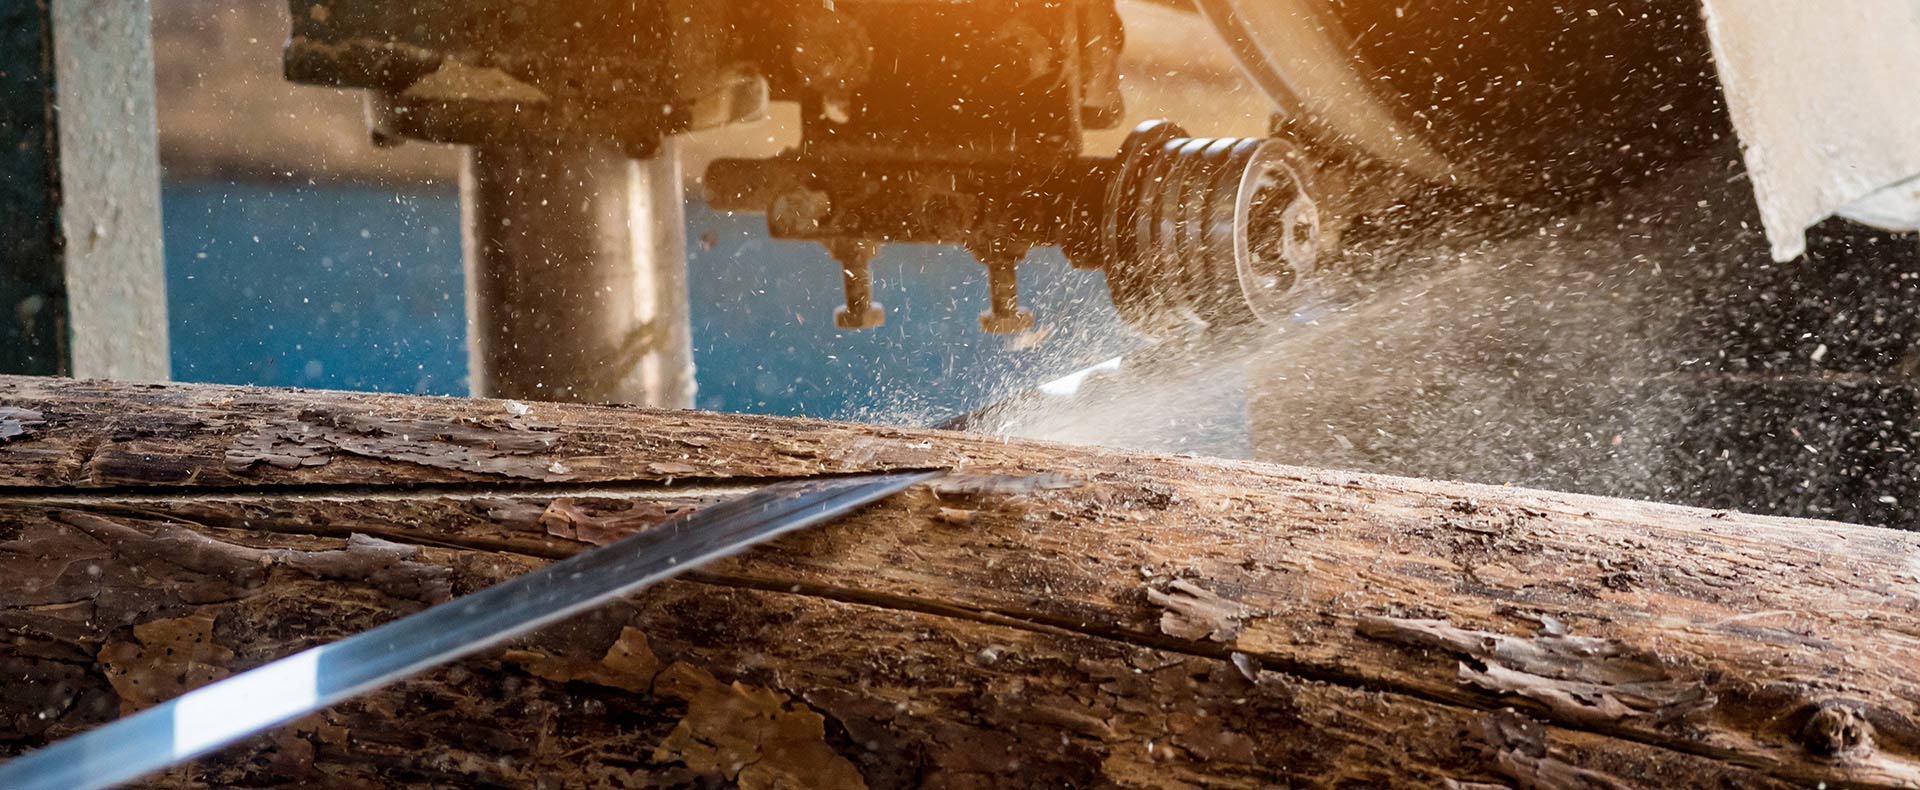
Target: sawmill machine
(962, 122)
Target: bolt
(856, 277)
(1003, 287)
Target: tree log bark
(1048, 616)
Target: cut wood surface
(1047, 616)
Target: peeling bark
(1594, 681)
(1048, 617)
(751, 736)
(165, 658)
(16, 423)
(487, 446)
(1193, 612)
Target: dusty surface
(1052, 616)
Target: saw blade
(204, 719)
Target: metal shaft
(1003, 313)
(1003, 288)
(855, 257)
(856, 277)
(576, 275)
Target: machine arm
(921, 121)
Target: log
(1047, 616)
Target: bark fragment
(964, 484)
(1518, 746)
(219, 570)
(1194, 612)
(164, 659)
(384, 564)
(1581, 679)
(753, 736)
(578, 521)
(629, 664)
(483, 445)
(18, 423)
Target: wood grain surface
(1047, 616)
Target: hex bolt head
(855, 257)
(874, 315)
(1003, 289)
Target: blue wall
(358, 288)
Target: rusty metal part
(799, 212)
(970, 134)
(1192, 231)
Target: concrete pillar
(82, 277)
